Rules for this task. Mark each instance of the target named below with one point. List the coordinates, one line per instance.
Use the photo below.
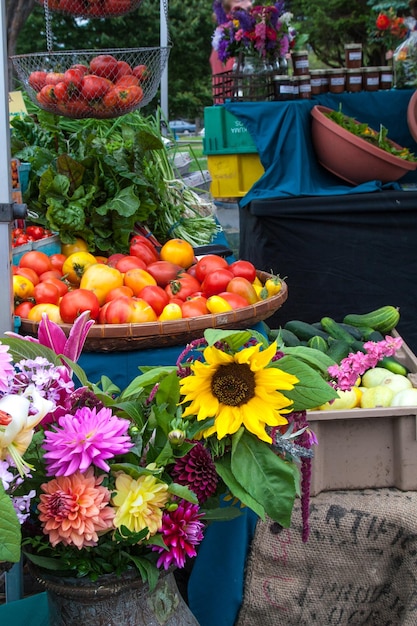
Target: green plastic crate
(224, 133)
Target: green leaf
(222, 514)
(125, 203)
(51, 563)
(223, 468)
(313, 357)
(25, 349)
(266, 476)
(10, 533)
(147, 570)
(183, 492)
(311, 391)
(234, 338)
(148, 379)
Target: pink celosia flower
(355, 364)
(74, 510)
(197, 470)
(182, 531)
(89, 437)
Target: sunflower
(237, 389)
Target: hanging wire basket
(92, 83)
(92, 8)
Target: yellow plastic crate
(232, 175)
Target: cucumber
(338, 349)
(318, 343)
(375, 335)
(358, 332)
(335, 330)
(390, 363)
(289, 338)
(384, 319)
(303, 330)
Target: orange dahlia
(75, 509)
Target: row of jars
(332, 80)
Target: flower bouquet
(127, 480)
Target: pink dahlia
(197, 471)
(181, 531)
(89, 437)
(75, 509)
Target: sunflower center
(233, 384)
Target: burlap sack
(359, 566)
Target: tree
(17, 12)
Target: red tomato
(23, 309)
(183, 287)
(53, 78)
(20, 240)
(61, 285)
(155, 296)
(208, 264)
(194, 307)
(37, 232)
(46, 96)
(129, 262)
(118, 292)
(234, 299)
(37, 260)
(144, 252)
(27, 272)
(37, 80)
(74, 79)
(104, 65)
(45, 292)
(243, 268)
(75, 108)
(141, 71)
(123, 69)
(61, 92)
(50, 274)
(113, 259)
(145, 241)
(216, 281)
(95, 87)
(103, 311)
(80, 67)
(123, 98)
(76, 302)
(127, 81)
(57, 261)
(244, 288)
(117, 311)
(116, 7)
(163, 272)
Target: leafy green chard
(96, 179)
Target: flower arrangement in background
(128, 479)
(388, 30)
(263, 31)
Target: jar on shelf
(337, 80)
(304, 87)
(370, 78)
(283, 88)
(325, 81)
(354, 80)
(316, 77)
(353, 55)
(295, 87)
(386, 77)
(300, 62)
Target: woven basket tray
(125, 337)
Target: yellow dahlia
(139, 503)
(238, 389)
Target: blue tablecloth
(281, 133)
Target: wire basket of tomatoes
(92, 8)
(92, 83)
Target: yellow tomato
(177, 251)
(273, 286)
(52, 311)
(171, 311)
(101, 279)
(79, 245)
(141, 312)
(217, 304)
(23, 288)
(76, 264)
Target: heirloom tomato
(216, 304)
(117, 311)
(76, 264)
(51, 310)
(243, 268)
(183, 286)
(50, 274)
(22, 309)
(100, 279)
(61, 92)
(23, 288)
(244, 288)
(177, 251)
(28, 273)
(129, 262)
(141, 311)
(57, 261)
(123, 69)
(118, 292)
(76, 302)
(127, 81)
(155, 296)
(164, 271)
(216, 281)
(235, 300)
(37, 232)
(53, 78)
(116, 7)
(207, 264)
(36, 260)
(141, 71)
(37, 80)
(79, 245)
(147, 253)
(137, 279)
(123, 98)
(45, 292)
(95, 87)
(46, 96)
(74, 79)
(104, 65)
(113, 259)
(172, 311)
(61, 285)
(194, 307)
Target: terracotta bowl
(352, 158)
